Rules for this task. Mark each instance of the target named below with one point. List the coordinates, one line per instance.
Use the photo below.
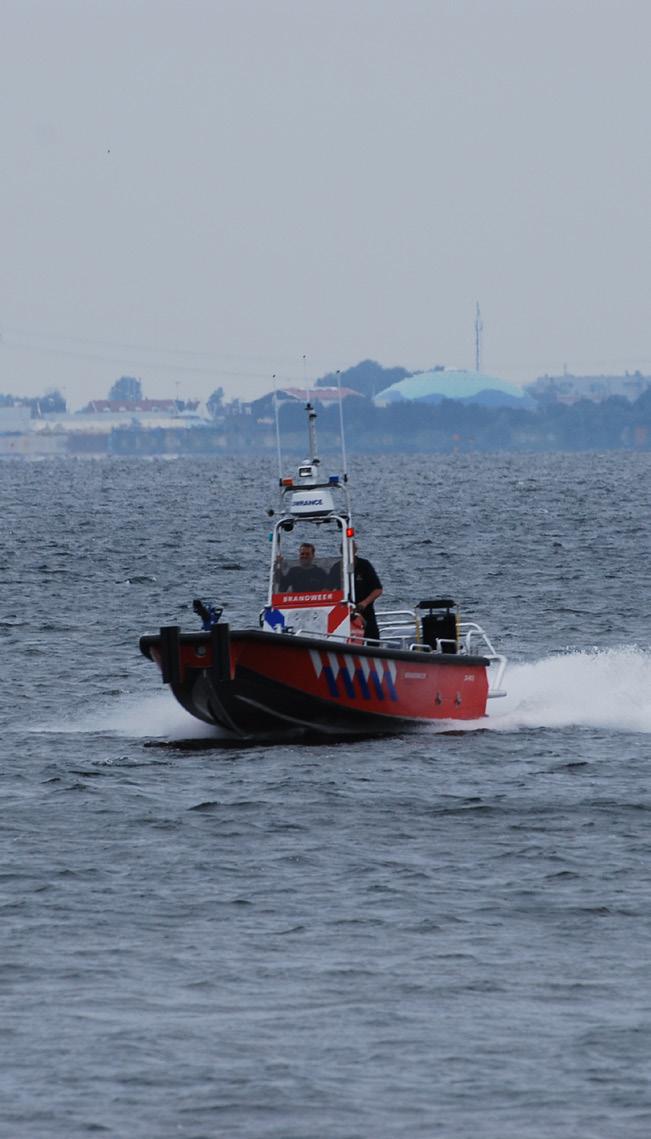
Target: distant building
(262, 408)
(19, 436)
(14, 420)
(104, 420)
(113, 406)
(569, 389)
(453, 383)
(324, 395)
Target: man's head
(306, 553)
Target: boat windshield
(308, 558)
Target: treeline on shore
(451, 425)
(447, 427)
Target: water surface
(445, 934)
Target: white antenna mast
(280, 458)
(311, 428)
(341, 429)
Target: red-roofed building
(311, 395)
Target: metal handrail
(476, 640)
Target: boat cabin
(311, 579)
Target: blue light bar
(333, 480)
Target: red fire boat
(308, 669)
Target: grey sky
(201, 193)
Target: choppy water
(441, 935)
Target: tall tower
(479, 328)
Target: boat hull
(254, 684)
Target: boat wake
(134, 717)
(607, 688)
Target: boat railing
(316, 635)
(475, 642)
(399, 628)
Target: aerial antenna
(311, 427)
(341, 429)
(479, 328)
(280, 458)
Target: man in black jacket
(368, 588)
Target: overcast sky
(207, 192)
